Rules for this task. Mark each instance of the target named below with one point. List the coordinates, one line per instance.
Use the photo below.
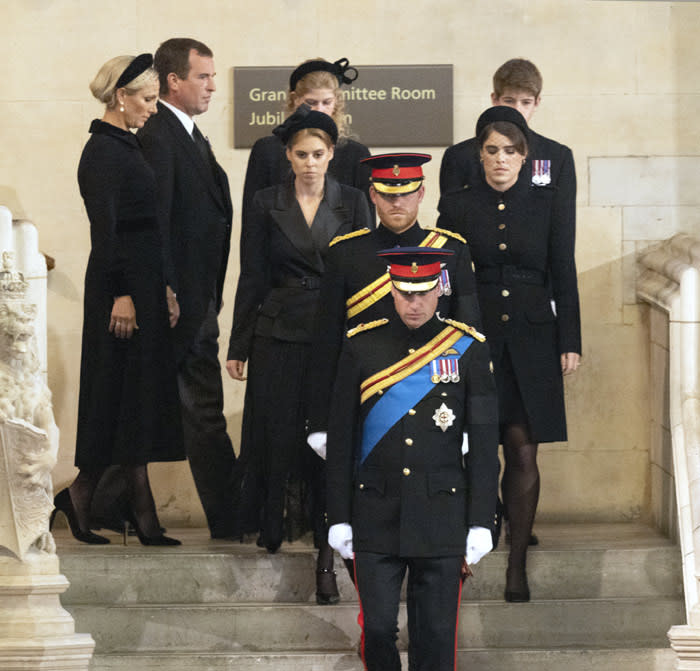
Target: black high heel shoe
(63, 502)
(161, 539)
(326, 587)
(520, 595)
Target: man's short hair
(519, 74)
(174, 56)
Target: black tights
(520, 486)
(142, 508)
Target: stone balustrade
(669, 280)
(36, 632)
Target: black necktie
(202, 144)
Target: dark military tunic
(526, 278)
(411, 496)
(351, 265)
(411, 501)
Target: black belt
(300, 283)
(510, 275)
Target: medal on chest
(445, 368)
(444, 286)
(541, 172)
(444, 417)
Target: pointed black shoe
(161, 539)
(326, 587)
(62, 502)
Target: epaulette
(451, 234)
(347, 236)
(366, 327)
(466, 328)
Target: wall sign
(387, 106)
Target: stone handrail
(670, 280)
(35, 631)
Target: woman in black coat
(274, 322)
(523, 252)
(316, 83)
(128, 412)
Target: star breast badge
(444, 417)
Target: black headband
(341, 69)
(502, 113)
(138, 66)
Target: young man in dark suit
(196, 213)
(412, 464)
(518, 84)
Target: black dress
(526, 281)
(129, 411)
(274, 321)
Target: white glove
(317, 442)
(340, 539)
(479, 543)
(465, 443)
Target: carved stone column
(35, 631)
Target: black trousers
(432, 604)
(208, 446)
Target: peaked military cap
(414, 269)
(396, 173)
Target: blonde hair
(103, 85)
(320, 79)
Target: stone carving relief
(28, 433)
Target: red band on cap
(397, 172)
(414, 271)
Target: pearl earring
(121, 108)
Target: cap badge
(396, 171)
(414, 268)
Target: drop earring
(121, 108)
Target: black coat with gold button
(351, 265)
(413, 496)
(526, 281)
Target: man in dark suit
(518, 84)
(412, 464)
(196, 213)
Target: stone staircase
(604, 596)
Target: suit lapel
(290, 220)
(189, 149)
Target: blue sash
(398, 400)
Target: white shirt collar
(187, 121)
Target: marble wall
(621, 89)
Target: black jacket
(524, 258)
(268, 166)
(282, 261)
(195, 215)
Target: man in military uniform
(356, 287)
(410, 491)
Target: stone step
(224, 628)
(572, 561)
(604, 596)
(641, 659)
